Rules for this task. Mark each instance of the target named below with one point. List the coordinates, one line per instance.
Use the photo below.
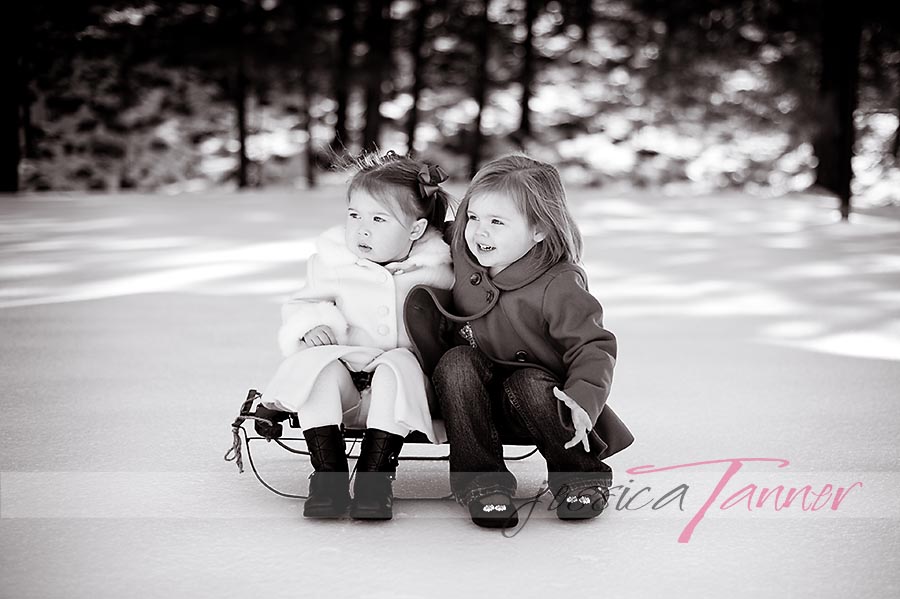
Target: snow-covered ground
(133, 325)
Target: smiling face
(378, 233)
(497, 232)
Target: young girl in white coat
(347, 350)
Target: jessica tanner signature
(751, 496)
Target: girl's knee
(334, 376)
(531, 386)
(532, 377)
(461, 363)
(334, 370)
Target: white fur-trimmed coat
(362, 302)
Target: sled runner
(296, 444)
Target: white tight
(334, 399)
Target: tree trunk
(310, 149)
(842, 29)
(895, 150)
(304, 25)
(480, 92)
(526, 76)
(29, 138)
(585, 20)
(126, 101)
(240, 104)
(306, 120)
(378, 36)
(675, 15)
(412, 120)
(342, 75)
(10, 150)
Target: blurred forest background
(764, 96)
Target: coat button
(383, 330)
(383, 310)
(490, 296)
(475, 279)
(521, 356)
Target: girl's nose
(364, 232)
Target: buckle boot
(373, 493)
(329, 485)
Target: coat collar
(430, 250)
(518, 274)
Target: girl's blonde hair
(537, 191)
(412, 186)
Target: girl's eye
(380, 219)
(353, 215)
(496, 221)
(473, 217)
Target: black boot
(329, 485)
(494, 511)
(581, 502)
(373, 496)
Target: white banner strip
(670, 494)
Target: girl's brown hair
(413, 186)
(538, 192)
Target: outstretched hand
(580, 419)
(320, 335)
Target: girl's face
(497, 233)
(377, 233)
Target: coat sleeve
(428, 322)
(311, 306)
(575, 323)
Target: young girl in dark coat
(533, 358)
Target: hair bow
(430, 178)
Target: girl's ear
(538, 236)
(418, 229)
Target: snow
(748, 327)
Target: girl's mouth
(485, 248)
(363, 247)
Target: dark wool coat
(529, 315)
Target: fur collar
(429, 251)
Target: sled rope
(235, 452)
(237, 456)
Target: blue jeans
(481, 400)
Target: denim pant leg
(462, 384)
(530, 404)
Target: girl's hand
(580, 419)
(320, 335)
